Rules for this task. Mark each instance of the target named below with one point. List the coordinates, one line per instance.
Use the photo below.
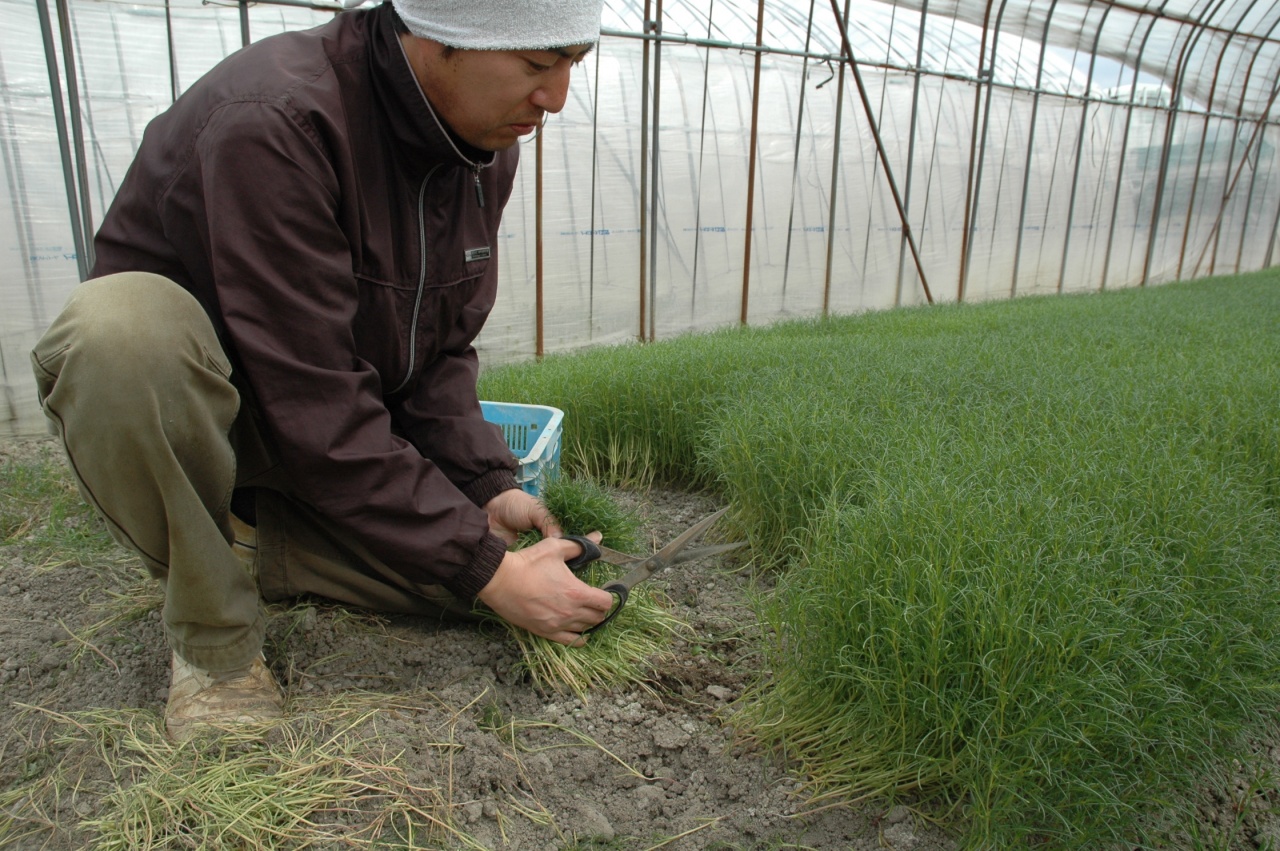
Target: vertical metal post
(1244, 87)
(1235, 180)
(1080, 137)
(1124, 147)
(1231, 152)
(795, 155)
(64, 143)
(873, 125)
(751, 163)
(1031, 139)
(1204, 138)
(644, 178)
(173, 54)
(539, 343)
(595, 173)
(835, 181)
(244, 23)
(655, 173)
(911, 148)
(77, 129)
(975, 152)
(1271, 245)
(1166, 151)
(702, 147)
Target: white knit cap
(503, 24)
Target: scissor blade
(675, 553)
(704, 552)
(668, 552)
(616, 557)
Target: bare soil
(655, 764)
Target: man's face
(491, 98)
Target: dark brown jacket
(306, 194)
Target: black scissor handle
(590, 552)
(619, 591)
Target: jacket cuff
(486, 487)
(484, 564)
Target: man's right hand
(535, 590)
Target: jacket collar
(423, 139)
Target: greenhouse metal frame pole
(975, 170)
(655, 172)
(1204, 138)
(1166, 152)
(1216, 231)
(644, 178)
(173, 58)
(911, 148)
(538, 342)
(1080, 137)
(1262, 118)
(64, 143)
(795, 154)
(978, 151)
(77, 127)
(702, 149)
(595, 175)
(1031, 138)
(1271, 246)
(847, 50)
(1124, 147)
(835, 183)
(751, 165)
(244, 23)
(1244, 158)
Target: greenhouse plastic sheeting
(1028, 147)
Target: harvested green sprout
(621, 653)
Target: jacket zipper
(475, 172)
(422, 277)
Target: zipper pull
(479, 189)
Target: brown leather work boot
(201, 701)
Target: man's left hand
(513, 511)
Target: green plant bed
(1028, 550)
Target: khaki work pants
(134, 381)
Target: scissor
(642, 568)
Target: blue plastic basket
(533, 436)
